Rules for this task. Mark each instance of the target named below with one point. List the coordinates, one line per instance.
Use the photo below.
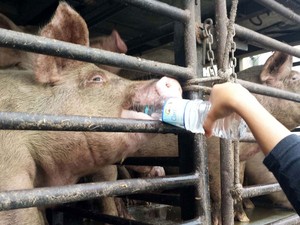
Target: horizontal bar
(27, 121)
(161, 8)
(37, 44)
(269, 91)
(78, 192)
(254, 37)
(290, 220)
(280, 9)
(258, 190)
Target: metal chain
(231, 34)
(233, 60)
(208, 23)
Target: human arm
(230, 97)
(281, 148)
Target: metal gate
(192, 183)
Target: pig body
(31, 159)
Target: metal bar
(270, 43)
(26, 121)
(190, 38)
(71, 193)
(200, 157)
(221, 30)
(32, 43)
(269, 91)
(257, 190)
(226, 155)
(227, 180)
(160, 8)
(291, 220)
(280, 9)
(195, 201)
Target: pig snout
(152, 93)
(168, 87)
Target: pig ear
(278, 66)
(66, 25)
(8, 24)
(120, 44)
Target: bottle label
(173, 111)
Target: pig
(31, 159)
(16, 59)
(277, 72)
(255, 172)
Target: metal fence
(192, 183)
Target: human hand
(225, 98)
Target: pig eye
(97, 78)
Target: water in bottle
(190, 115)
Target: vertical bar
(221, 29)
(226, 155)
(195, 201)
(200, 151)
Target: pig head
(17, 59)
(31, 159)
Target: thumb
(208, 126)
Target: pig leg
(148, 171)
(107, 204)
(17, 171)
(32, 216)
(110, 205)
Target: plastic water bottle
(190, 115)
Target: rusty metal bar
(195, 201)
(280, 9)
(252, 87)
(227, 180)
(190, 38)
(269, 91)
(71, 193)
(160, 8)
(291, 220)
(226, 155)
(221, 30)
(27, 121)
(33, 43)
(257, 190)
(200, 156)
(255, 38)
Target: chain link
(233, 60)
(208, 23)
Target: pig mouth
(135, 111)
